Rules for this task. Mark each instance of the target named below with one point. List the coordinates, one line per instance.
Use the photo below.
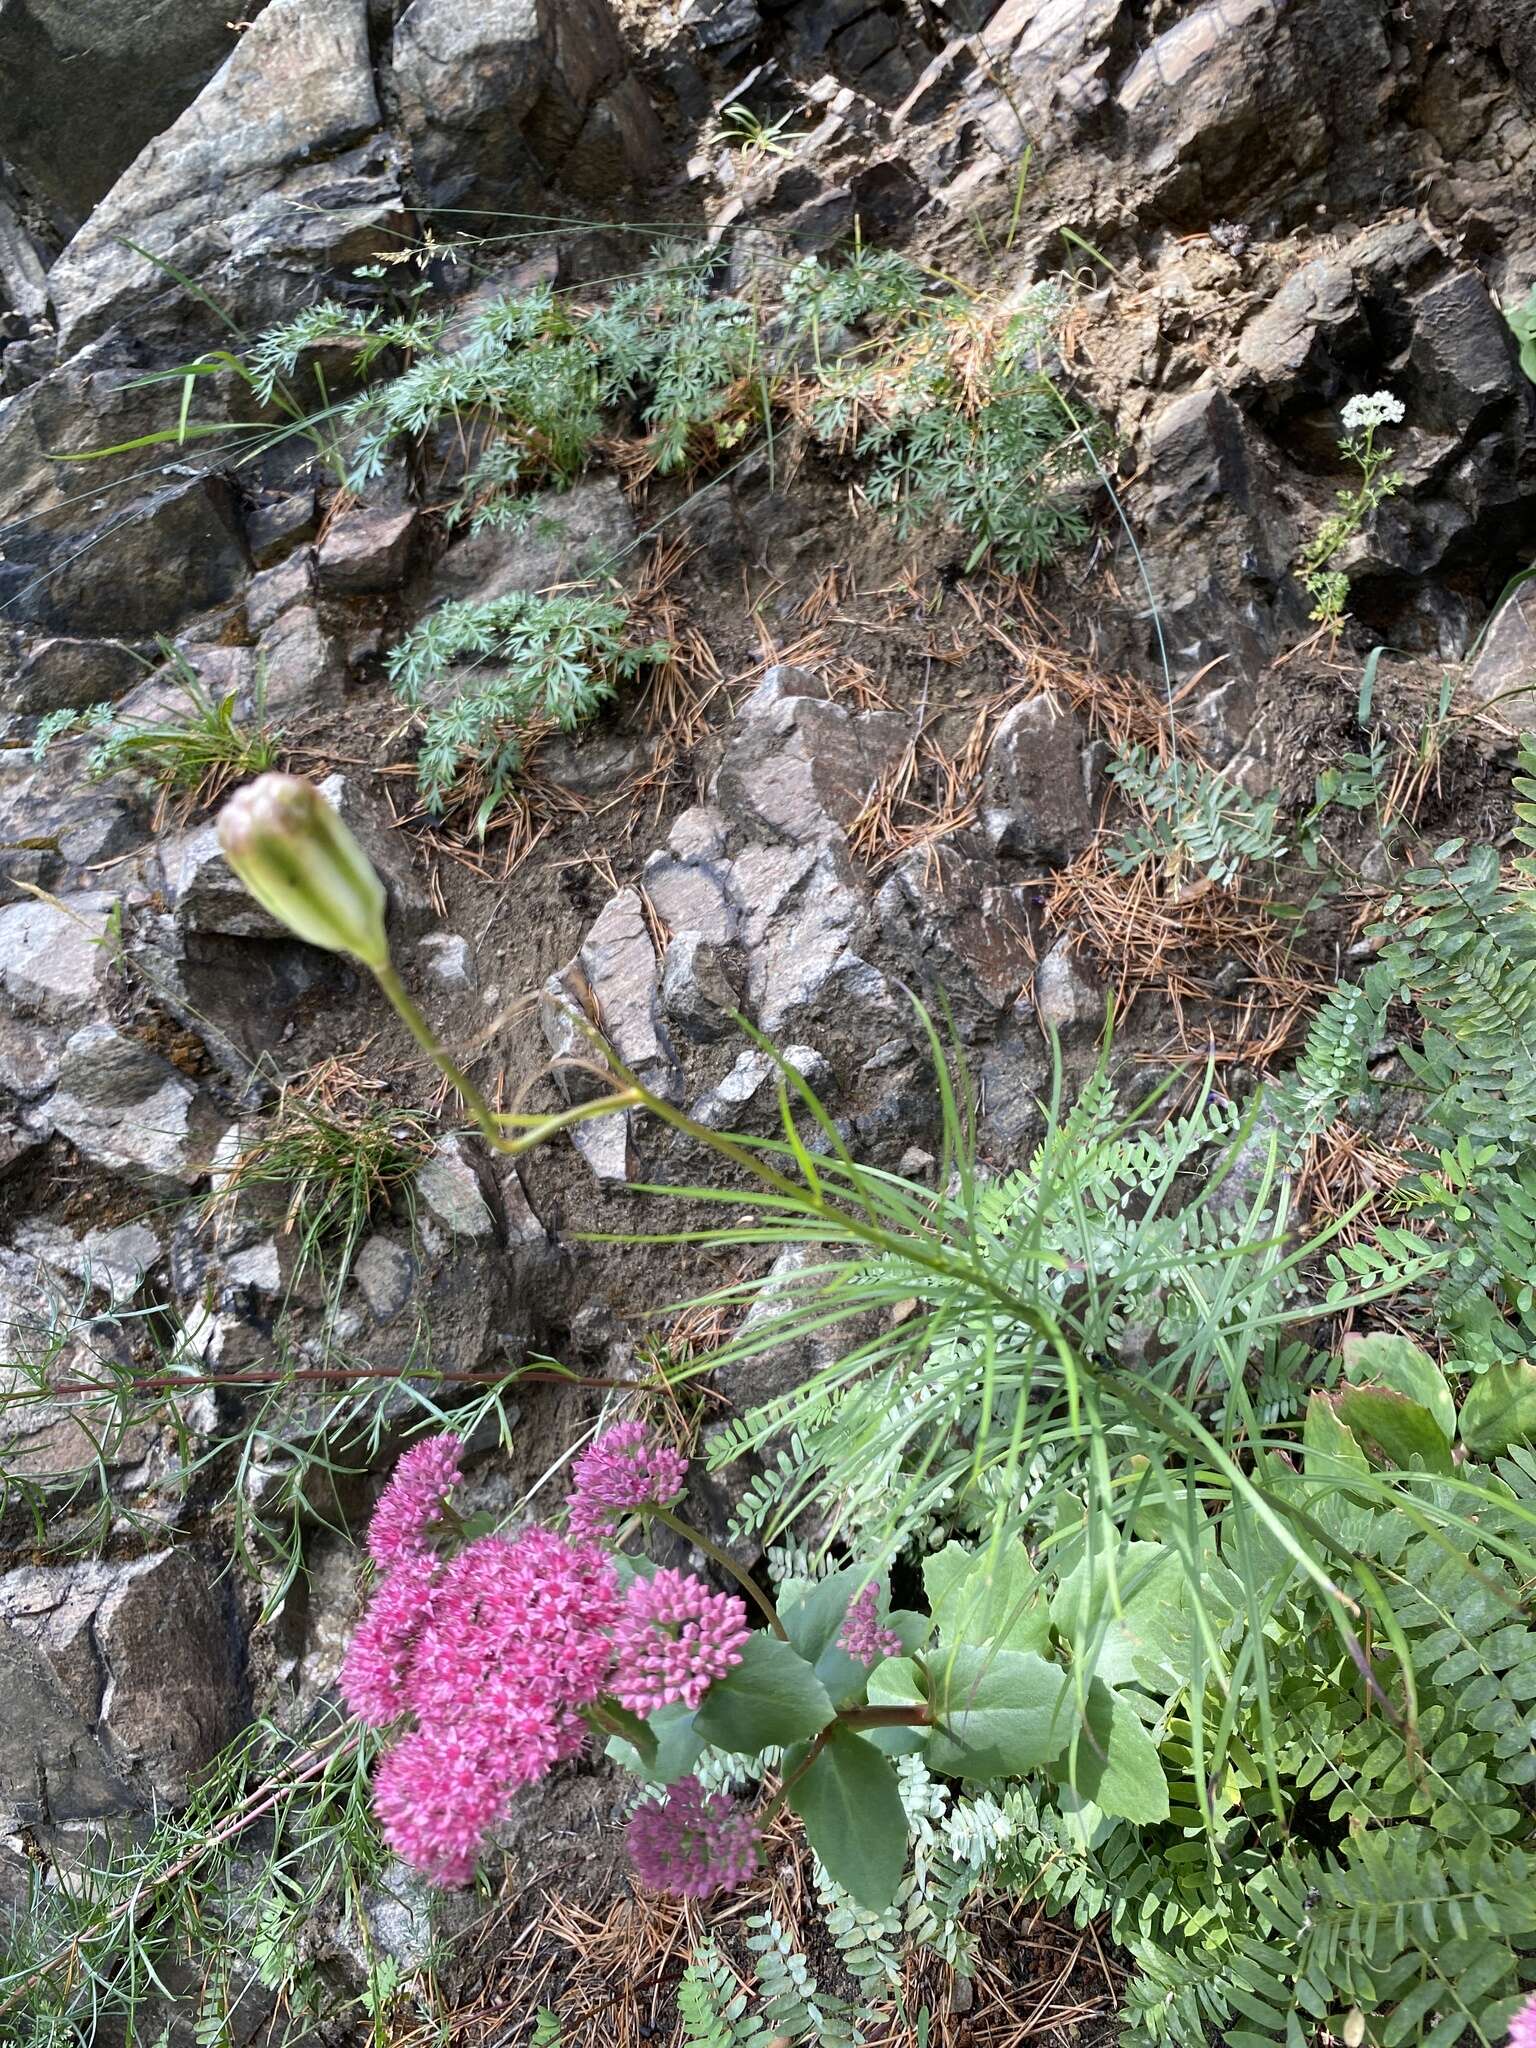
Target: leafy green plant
(199, 756)
(1192, 815)
(959, 417)
(1329, 588)
(1522, 321)
(492, 674)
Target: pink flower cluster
(863, 1636)
(673, 1640)
(1522, 2028)
(691, 1841)
(495, 1654)
(627, 1467)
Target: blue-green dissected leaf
(998, 1713)
(987, 1595)
(771, 1698)
(1384, 1360)
(854, 1820)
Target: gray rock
(367, 549)
(752, 1086)
(716, 24)
(275, 590)
(260, 172)
(497, 98)
(90, 82)
(1286, 346)
(1237, 95)
(1503, 671)
(1035, 803)
(571, 534)
(57, 823)
(60, 674)
(153, 562)
(1066, 1001)
(447, 958)
(50, 956)
(274, 528)
(456, 1186)
(125, 1109)
(1463, 355)
(301, 667)
(800, 769)
(956, 930)
(23, 276)
(701, 983)
(604, 1144)
(1199, 457)
(112, 1263)
(386, 1275)
(103, 1706)
(1014, 1074)
(691, 895)
(617, 969)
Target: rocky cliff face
(1266, 207)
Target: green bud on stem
(293, 852)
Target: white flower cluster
(1372, 409)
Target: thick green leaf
(813, 1617)
(1109, 1757)
(813, 1610)
(896, 1682)
(1500, 1409)
(675, 1746)
(854, 1819)
(998, 1713)
(1400, 1430)
(1330, 1454)
(1386, 1361)
(990, 1595)
(771, 1698)
(1148, 1637)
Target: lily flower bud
(300, 861)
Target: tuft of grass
(196, 758)
(337, 1156)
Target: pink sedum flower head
(412, 1503)
(1522, 2028)
(692, 1841)
(627, 1467)
(862, 1635)
(495, 1654)
(380, 1655)
(673, 1640)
